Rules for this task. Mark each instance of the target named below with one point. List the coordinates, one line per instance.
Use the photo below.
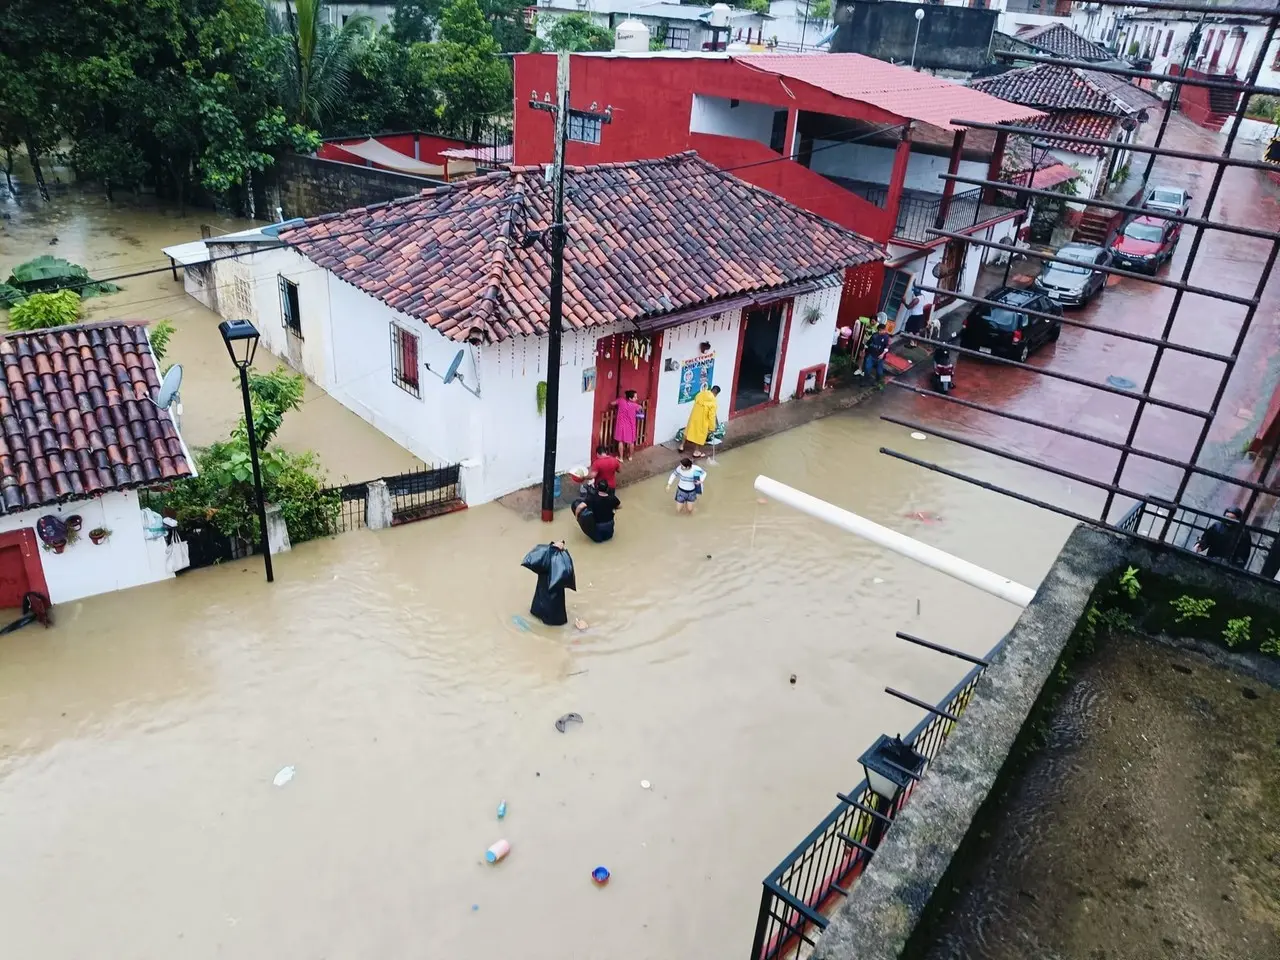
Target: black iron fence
(424, 493)
(351, 506)
(818, 872)
(1250, 548)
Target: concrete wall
(310, 186)
(950, 38)
(859, 161)
(751, 121)
(126, 559)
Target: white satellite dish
(453, 368)
(169, 387)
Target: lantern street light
(241, 338)
(916, 41)
(890, 766)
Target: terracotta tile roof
(71, 422)
(1078, 123)
(897, 90)
(646, 238)
(1050, 87)
(1059, 40)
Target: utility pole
(555, 235)
(555, 315)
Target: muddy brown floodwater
(111, 239)
(140, 736)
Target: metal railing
(1182, 527)
(351, 506)
(918, 211)
(820, 869)
(424, 493)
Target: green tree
(506, 19)
(414, 20)
(315, 79)
(574, 33)
(466, 69)
(818, 10)
(388, 88)
(756, 6)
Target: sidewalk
(662, 459)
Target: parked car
(1168, 200)
(1076, 283)
(1146, 243)
(1007, 330)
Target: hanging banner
(696, 374)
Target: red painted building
(853, 139)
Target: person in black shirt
(1227, 539)
(877, 350)
(594, 511)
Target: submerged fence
(809, 880)
(416, 495)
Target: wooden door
(625, 361)
(949, 271)
(20, 568)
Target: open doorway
(761, 336)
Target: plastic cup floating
(600, 875)
(497, 851)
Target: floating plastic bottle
(497, 851)
(502, 809)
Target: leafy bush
(46, 274)
(42, 310)
(1191, 608)
(222, 493)
(1263, 107)
(160, 335)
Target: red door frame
(32, 566)
(655, 367)
(781, 361)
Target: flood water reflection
(141, 734)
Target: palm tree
(316, 80)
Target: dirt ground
(1146, 828)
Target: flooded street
(110, 240)
(142, 733)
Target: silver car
(1174, 200)
(1077, 281)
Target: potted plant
(99, 534)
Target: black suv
(1008, 330)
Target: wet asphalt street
(1224, 262)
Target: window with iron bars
(290, 311)
(584, 129)
(404, 360)
(677, 38)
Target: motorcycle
(944, 370)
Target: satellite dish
(453, 368)
(169, 387)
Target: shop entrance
(758, 355)
(625, 361)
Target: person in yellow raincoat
(703, 419)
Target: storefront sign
(696, 374)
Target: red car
(1146, 243)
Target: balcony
(918, 210)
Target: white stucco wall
(747, 120)
(858, 161)
(809, 343)
(922, 269)
(681, 344)
(126, 559)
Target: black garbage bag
(554, 568)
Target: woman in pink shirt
(625, 428)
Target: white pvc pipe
(939, 560)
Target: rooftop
(1053, 87)
(76, 418)
(647, 238)
(1060, 40)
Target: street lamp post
(242, 336)
(919, 19)
(1044, 147)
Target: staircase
(1094, 227)
(1222, 104)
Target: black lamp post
(1044, 148)
(890, 767)
(241, 338)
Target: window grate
(404, 361)
(289, 309)
(584, 129)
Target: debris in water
(284, 776)
(708, 556)
(762, 500)
(497, 851)
(877, 580)
(645, 784)
(924, 516)
(521, 623)
(580, 623)
(566, 719)
(502, 809)
(917, 435)
(475, 906)
(793, 679)
(600, 875)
